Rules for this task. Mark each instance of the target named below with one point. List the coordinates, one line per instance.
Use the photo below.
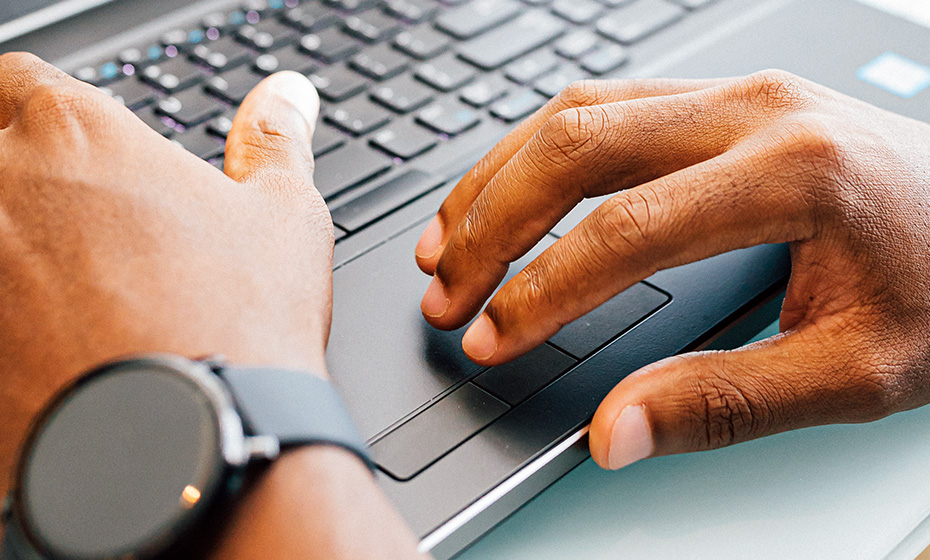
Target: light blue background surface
(836, 492)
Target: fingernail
(435, 303)
(429, 242)
(630, 439)
(299, 92)
(480, 340)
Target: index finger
(20, 74)
(580, 94)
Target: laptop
(414, 93)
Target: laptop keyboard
(397, 78)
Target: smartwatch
(138, 458)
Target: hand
(704, 167)
(114, 240)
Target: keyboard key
(513, 382)
(531, 67)
(131, 92)
(380, 62)
(233, 86)
(358, 116)
(222, 54)
(404, 140)
(329, 45)
(139, 58)
(486, 90)
(588, 333)
(173, 75)
(639, 20)
(221, 125)
(337, 83)
(190, 108)
(511, 41)
(155, 122)
(516, 107)
(606, 59)
(693, 4)
(359, 212)
(325, 140)
(348, 167)
(288, 58)
(201, 143)
(402, 94)
(267, 35)
(576, 44)
(477, 17)
(414, 11)
(577, 11)
(445, 73)
(351, 6)
(436, 431)
(310, 17)
(448, 117)
(422, 43)
(371, 27)
(551, 84)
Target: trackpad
(386, 359)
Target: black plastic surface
(432, 433)
(515, 381)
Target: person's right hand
(704, 167)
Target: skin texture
(700, 168)
(114, 241)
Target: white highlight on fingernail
(631, 438)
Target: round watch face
(123, 462)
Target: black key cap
(414, 11)
(511, 41)
(359, 212)
(310, 17)
(404, 140)
(551, 84)
(325, 140)
(422, 43)
(577, 11)
(372, 26)
(487, 90)
(693, 4)
(605, 59)
(639, 20)
(131, 93)
(348, 167)
(402, 94)
(516, 107)
(380, 62)
(434, 432)
(267, 35)
(139, 58)
(337, 83)
(338, 234)
(477, 17)
(222, 54)
(358, 116)
(288, 58)
(515, 381)
(351, 6)
(576, 44)
(615, 3)
(173, 75)
(329, 45)
(190, 107)
(155, 122)
(201, 143)
(588, 333)
(445, 73)
(531, 67)
(221, 125)
(235, 85)
(448, 117)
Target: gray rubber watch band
(296, 407)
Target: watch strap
(296, 407)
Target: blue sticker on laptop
(896, 74)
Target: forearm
(315, 503)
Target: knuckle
(581, 93)
(724, 410)
(623, 226)
(813, 140)
(776, 89)
(53, 107)
(17, 61)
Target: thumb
(708, 400)
(269, 143)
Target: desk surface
(835, 492)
